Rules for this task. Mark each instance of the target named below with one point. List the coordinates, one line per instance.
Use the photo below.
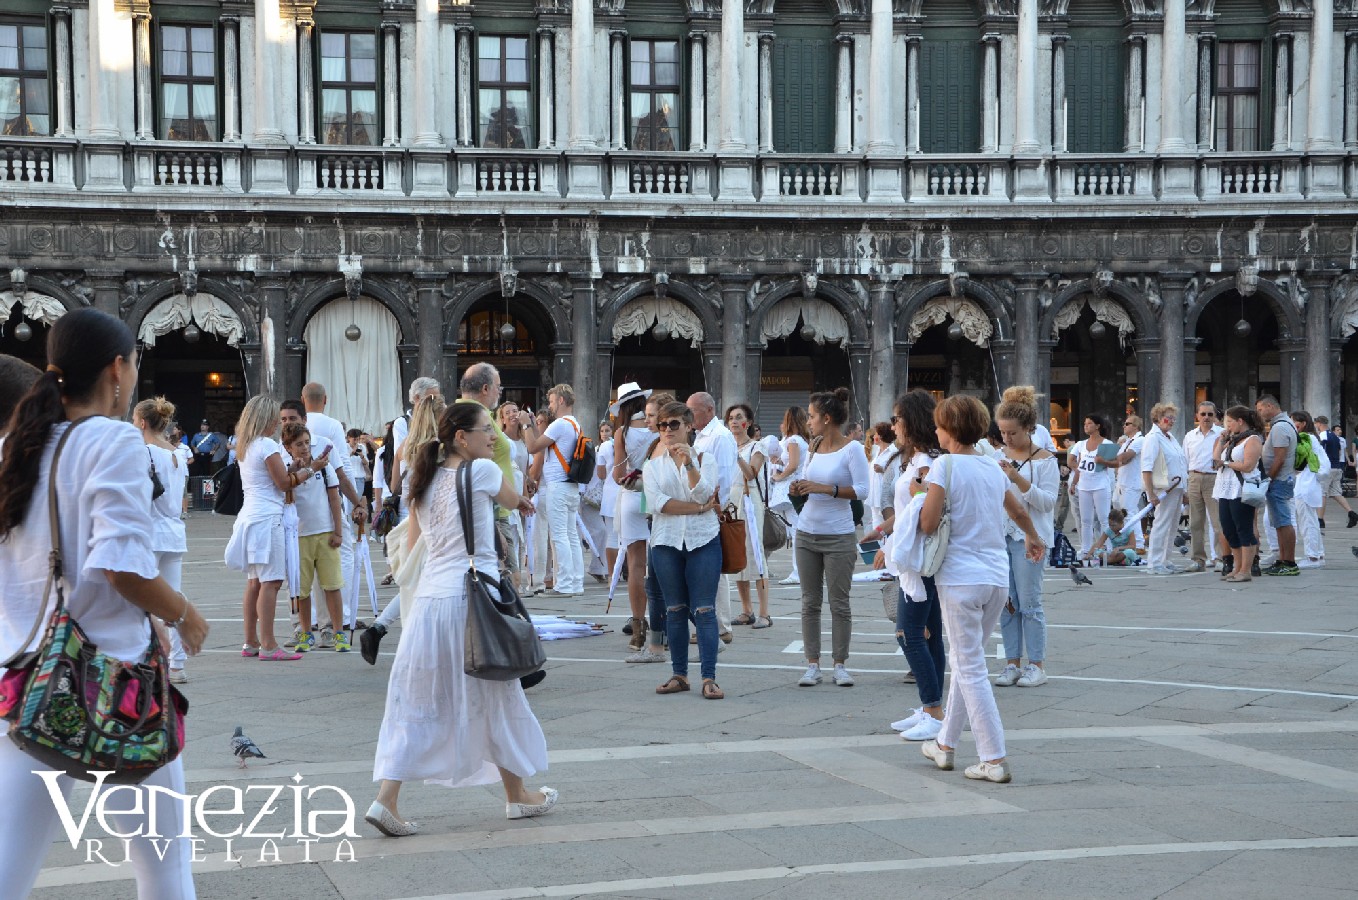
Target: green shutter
(1095, 98)
(803, 94)
(950, 96)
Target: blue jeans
(926, 656)
(688, 579)
(1279, 499)
(1026, 625)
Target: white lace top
(441, 524)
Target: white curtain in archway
(209, 313)
(362, 377)
(639, 316)
(1110, 312)
(830, 324)
(38, 307)
(975, 324)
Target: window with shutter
(803, 91)
(950, 96)
(1095, 98)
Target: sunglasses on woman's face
(671, 425)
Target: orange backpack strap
(565, 467)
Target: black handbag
(157, 488)
(501, 642)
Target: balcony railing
(627, 177)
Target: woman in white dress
(630, 443)
(753, 469)
(608, 500)
(257, 545)
(440, 725)
(112, 583)
(168, 541)
(592, 508)
(795, 454)
(1308, 500)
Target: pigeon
(1354, 550)
(244, 748)
(1080, 578)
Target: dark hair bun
(841, 394)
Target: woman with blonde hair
(256, 545)
(153, 418)
(424, 427)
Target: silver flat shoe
(381, 818)
(530, 810)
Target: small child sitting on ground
(1120, 550)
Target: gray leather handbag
(501, 643)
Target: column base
(735, 179)
(429, 173)
(269, 172)
(884, 181)
(584, 176)
(1325, 177)
(1030, 180)
(1177, 178)
(103, 167)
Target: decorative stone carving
(1100, 281)
(188, 280)
(957, 283)
(641, 315)
(509, 282)
(76, 286)
(1110, 312)
(1247, 280)
(975, 324)
(809, 282)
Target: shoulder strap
(464, 508)
(557, 450)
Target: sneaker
(911, 720)
(296, 636)
(1008, 677)
(1310, 563)
(1353, 518)
(926, 729)
(327, 641)
(303, 643)
(1198, 567)
(791, 579)
(1227, 565)
(342, 642)
(942, 758)
(842, 677)
(177, 676)
(984, 771)
(278, 654)
(249, 650)
(1282, 568)
(811, 677)
(1163, 570)
(1032, 676)
(909, 678)
(646, 655)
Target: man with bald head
(712, 438)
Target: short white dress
(441, 725)
(257, 546)
(631, 522)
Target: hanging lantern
(808, 332)
(191, 333)
(507, 331)
(1243, 328)
(23, 331)
(353, 332)
(660, 332)
(1097, 330)
(954, 332)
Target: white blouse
(262, 497)
(1039, 501)
(664, 481)
(845, 467)
(104, 509)
(168, 535)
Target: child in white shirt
(320, 529)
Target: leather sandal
(743, 619)
(762, 622)
(712, 691)
(676, 685)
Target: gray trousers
(826, 562)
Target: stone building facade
(1117, 203)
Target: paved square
(1195, 740)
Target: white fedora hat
(629, 391)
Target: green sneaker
(306, 642)
(341, 642)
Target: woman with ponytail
(168, 541)
(111, 577)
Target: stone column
(1172, 376)
(732, 37)
(859, 366)
(697, 86)
(103, 56)
(1136, 97)
(1350, 90)
(391, 83)
(844, 94)
(1027, 319)
(735, 317)
(306, 82)
(1059, 136)
(141, 39)
(765, 92)
(990, 94)
(271, 291)
(466, 137)
(912, 139)
(881, 96)
(428, 87)
(546, 87)
(108, 289)
(589, 397)
(1171, 81)
(1318, 394)
(268, 32)
(1147, 376)
(582, 136)
(1025, 81)
(1002, 356)
(712, 373)
(881, 348)
(61, 18)
(1042, 385)
(1320, 128)
(230, 78)
(1282, 91)
(1290, 372)
(1206, 138)
(617, 103)
(429, 312)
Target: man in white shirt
(421, 387)
(1042, 437)
(1199, 444)
(562, 503)
(712, 438)
(1161, 451)
(1128, 496)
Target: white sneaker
(984, 771)
(811, 678)
(791, 579)
(925, 730)
(1310, 563)
(1007, 678)
(942, 758)
(842, 676)
(911, 720)
(1032, 676)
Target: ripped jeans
(688, 579)
(1026, 627)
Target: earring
(117, 393)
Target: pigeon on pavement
(1354, 550)
(244, 748)
(1079, 577)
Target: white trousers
(1093, 515)
(970, 614)
(563, 503)
(598, 533)
(171, 566)
(1165, 527)
(1308, 530)
(27, 832)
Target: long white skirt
(445, 727)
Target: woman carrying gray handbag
(440, 724)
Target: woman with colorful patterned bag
(82, 490)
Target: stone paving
(1195, 740)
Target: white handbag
(936, 544)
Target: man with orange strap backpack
(570, 463)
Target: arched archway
(361, 372)
(25, 318)
(809, 338)
(1234, 365)
(658, 342)
(976, 361)
(530, 362)
(1344, 344)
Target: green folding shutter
(803, 95)
(1095, 96)
(950, 96)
